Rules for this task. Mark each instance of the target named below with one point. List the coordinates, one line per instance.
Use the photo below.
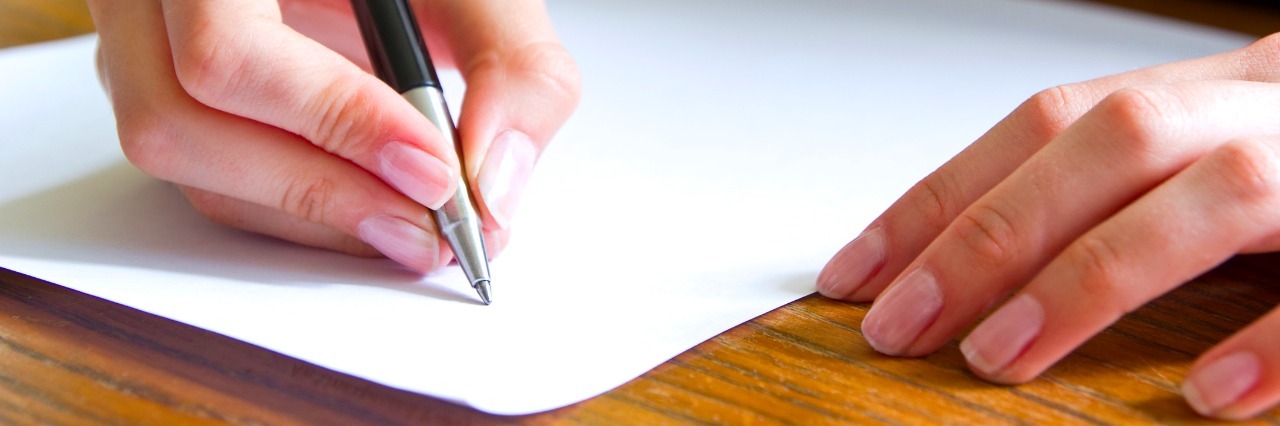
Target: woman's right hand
(266, 129)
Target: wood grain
(71, 358)
(1255, 17)
(30, 21)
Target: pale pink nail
(902, 313)
(853, 265)
(401, 241)
(418, 175)
(505, 172)
(1004, 335)
(1217, 385)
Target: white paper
(722, 152)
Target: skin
(1086, 202)
(266, 117)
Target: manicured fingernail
(902, 313)
(418, 175)
(1004, 335)
(853, 265)
(505, 171)
(401, 241)
(1213, 387)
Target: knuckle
(1142, 118)
(988, 232)
(551, 64)
(1101, 280)
(1047, 113)
(345, 115)
(1250, 170)
(1269, 44)
(547, 63)
(1260, 59)
(936, 198)
(145, 138)
(209, 63)
(309, 198)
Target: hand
(1086, 202)
(277, 129)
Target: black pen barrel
(396, 50)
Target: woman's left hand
(1085, 203)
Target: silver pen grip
(459, 218)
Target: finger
(1129, 143)
(261, 219)
(1240, 377)
(862, 269)
(220, 153)
(169, 135)
(237, 56)
(1193, 222)
(522, 85)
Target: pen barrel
(459, 218)
(396, 50)
(400, 58)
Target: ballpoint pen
(400, 58)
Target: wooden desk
(66, 357)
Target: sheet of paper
(722, 152)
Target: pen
(400, 58)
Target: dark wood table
(70, 358)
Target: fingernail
(902, 313)
(1222, 382)
(1004, 335)
(401, 241)
(418, 175)
(503, 175)
(853, 265)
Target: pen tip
(482, 288)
